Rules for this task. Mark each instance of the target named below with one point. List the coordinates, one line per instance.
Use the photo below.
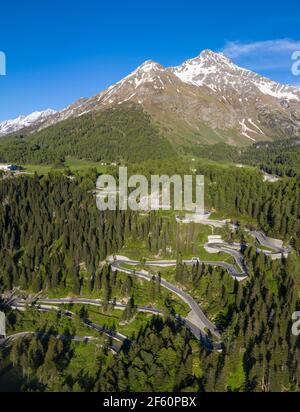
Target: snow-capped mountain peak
(22, 122)
(219, 73)
(199, 70)
(146, 72)
(208, 89)
(208, 92)
(210, 57)
(148, 66)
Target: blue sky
(59, 51)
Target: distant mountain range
(23, 122)
(205, 100)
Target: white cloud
(235, 49)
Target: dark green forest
(280, 158)
(116, 135)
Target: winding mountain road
(79, 339)
(119, 337)
(196, 321)
(44, 304)
(197, 317)
(86, 301)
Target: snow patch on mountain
(276, 90)
(246, 130)
(219, 73)
(195, 71)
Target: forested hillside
(51, 224)
(275, 207)
(122, 134)
(260, 352)
(281, 158)
(53, 240)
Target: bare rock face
(262, 108)
(205, 100)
